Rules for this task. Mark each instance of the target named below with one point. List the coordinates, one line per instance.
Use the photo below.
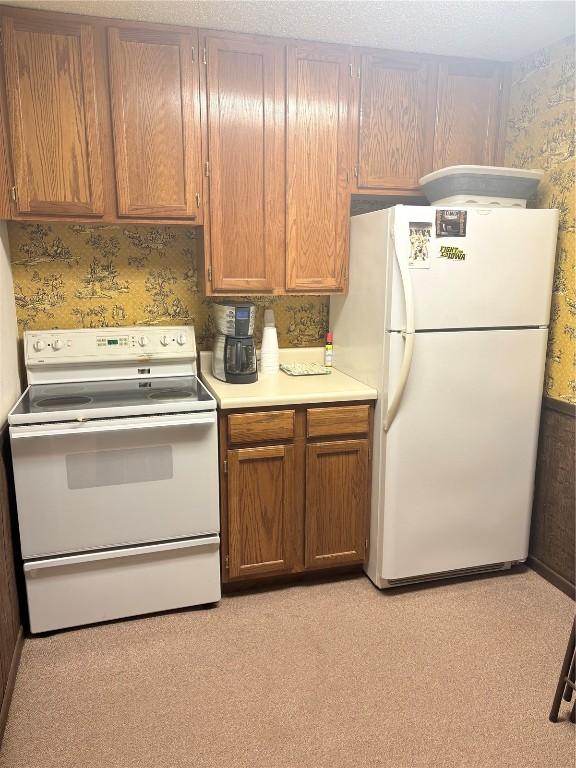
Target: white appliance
(451, 331)
(114, 444)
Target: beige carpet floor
(332, 675)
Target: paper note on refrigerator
(420, 234)
(451, 223)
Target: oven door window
(118, 467)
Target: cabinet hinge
(204, 59)
(226, 562)
(197, 196)
(210, 280)
(206, 168)
(193, 55)
(225, 463)
(13, 193)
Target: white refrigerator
(447, 317)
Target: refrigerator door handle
(402, 380)
(407, 335)
(407, 289)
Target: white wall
(9, 376)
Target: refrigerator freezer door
(500, 274)
(460, 456)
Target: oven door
(105, 483)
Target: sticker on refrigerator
(450, 223)
(452, 253)
(420, 234)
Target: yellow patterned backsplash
(98, 275)
(541, 134)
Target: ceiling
(505, 30)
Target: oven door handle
(198, 420)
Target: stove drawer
(97, 586)
(84, 486)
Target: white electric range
(114, 445)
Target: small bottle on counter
(328, 353)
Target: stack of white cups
(269, 357)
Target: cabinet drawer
(257, 427)
(344, 420)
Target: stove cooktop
(82, 401)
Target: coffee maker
(234, 357)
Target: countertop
(281, 389)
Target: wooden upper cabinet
(396, 120)
(50, 79)
(466, 113)
(336, 502)
(6, 178)
(261, 514)
(245, 117)
(318, 168)
(156, 123)
(256, 138)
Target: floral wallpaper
(98, 275)
(541, 134)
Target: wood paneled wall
(10, 628)
(552, 544)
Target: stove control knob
(181, 339)
(58, 344)
(143, 341)
(39, 345)
(165, 340)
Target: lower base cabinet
(336, 502)
(301, 501)
(261, 483)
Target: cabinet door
(466, 113)
(261, 524)
(246, 165)
(53, 116)
(396, 131)
(156, 123)
(336, 502)
(318, 167)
